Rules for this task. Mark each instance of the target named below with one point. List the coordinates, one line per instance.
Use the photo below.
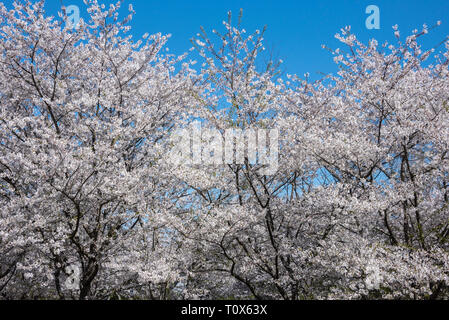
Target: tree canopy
(91, 207)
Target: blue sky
(296, 28)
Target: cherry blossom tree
(379, 136)
(84, 114)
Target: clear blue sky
(296, 28)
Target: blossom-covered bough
(92, 208)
